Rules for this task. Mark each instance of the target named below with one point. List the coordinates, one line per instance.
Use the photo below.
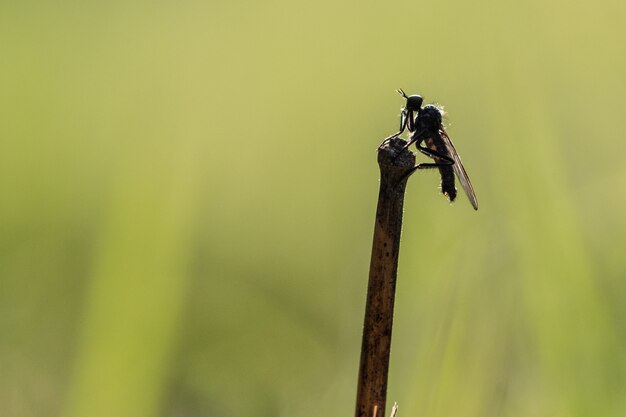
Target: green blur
(188, 193)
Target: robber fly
(425, 126)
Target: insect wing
(459, 169)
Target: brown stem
(376, 345)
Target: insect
(425, 126)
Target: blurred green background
(188, 193)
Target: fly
(425, 126)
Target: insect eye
(414, 102)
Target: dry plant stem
(376, 345)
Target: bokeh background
(188, 193)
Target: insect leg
(404, 116)
(445, 159)
(410, 122)
(427, 165)
(415, 137)
(403, 119)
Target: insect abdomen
(446, 171)
(447, 181)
